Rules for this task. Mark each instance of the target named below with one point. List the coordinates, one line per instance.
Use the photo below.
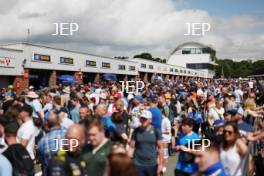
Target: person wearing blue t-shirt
(185, 165)
(208, 160)
(156, 113)
(5, 166)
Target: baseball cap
(146, 114)
(153, 98)
(219, 123)
(139, 98)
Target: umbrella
(109, 77)
(67, 79)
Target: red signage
(5, 62)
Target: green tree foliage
(148, 56)
(243, 68)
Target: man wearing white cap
(145, 141)
(33, 101)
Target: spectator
(50, 143)
(85, 115)
(33, 101)
(208, 160)
(5, 166)
(101, 113)
(68, 160)
(8, 101)
(28, 131)
(233, 150)
(145, 141)
(95, 153)
(166, 138)
(75, 112)
(119, 164)
(156, 113)
(16, 153)
(65, 122)
(216, 113)
(185, 164)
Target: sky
(129, 27)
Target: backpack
(20, 159)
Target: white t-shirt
(238, 93)
(200, 92)
(166, 126)
(28, 131)
(66, 122)
(250, 84)
(47, 107)
(217, 113)
(135, 113)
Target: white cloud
(127, 27)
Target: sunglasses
(229, 132)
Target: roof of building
(11, 49)
(61, 49)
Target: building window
(132, 68)
(186, 51)
(143, 66)
(193, 51)
(171, 69)
(176, 70)
(121, 67)
(184, 71)
(90, 63)
(180, 71)
(151, 67)
(106, 65)
(200, 66)
(198, 51)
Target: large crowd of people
(99, 129)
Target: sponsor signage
(41, 58)
(6, 62)
(106, 65)
(66, 60)
(90, 63)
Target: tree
(147, 56)
(243, 68)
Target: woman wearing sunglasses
(233, 150)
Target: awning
(67, 79)
(109, 77)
